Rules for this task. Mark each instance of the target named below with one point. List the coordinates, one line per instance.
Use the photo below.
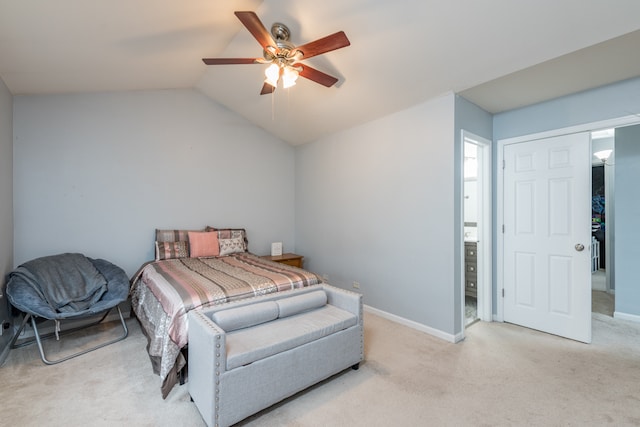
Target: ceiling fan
(284, 57)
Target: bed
(194, 269)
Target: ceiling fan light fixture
(272, 73)
(289, 77)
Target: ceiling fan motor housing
(280, 32)
(285, 52)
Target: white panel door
(547, 235)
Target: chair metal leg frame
(27, 342)
(39, 339)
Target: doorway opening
(477, 240)
(602, 191)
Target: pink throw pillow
(203, 244)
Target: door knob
(579, 247)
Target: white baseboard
(415, 325)
(626, 316)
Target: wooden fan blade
(256, 28)
(325, 44)
(317, 76)
(267, 89)
(227, 61)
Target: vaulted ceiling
(499, 54)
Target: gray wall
(97, 173)
(376, 204)
(627, 217)
(6, 208)
(608, 102)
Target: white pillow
(231, 246)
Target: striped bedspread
(163, 292)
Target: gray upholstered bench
(247, 355)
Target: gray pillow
(298, 304)
(246, 316)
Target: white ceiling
(499, 54)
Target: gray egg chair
(66, 287)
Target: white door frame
(587, 127)
(485, 238)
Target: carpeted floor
(501, 375)
(601, 302)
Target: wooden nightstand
(289, 259)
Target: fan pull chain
(273, 106)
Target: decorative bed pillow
(203, 244)
(173, 235)
(231, 233)
(231, 246)
(170, 250)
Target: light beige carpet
(603, 303)
(501, 375)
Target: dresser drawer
(471, 288)
(470, 268)
(471, 251)
(297, 262)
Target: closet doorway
(477, 239)
(602, 226)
